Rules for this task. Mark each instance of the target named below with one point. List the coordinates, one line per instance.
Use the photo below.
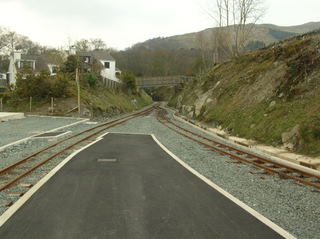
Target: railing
(111, 84)
(145, 82)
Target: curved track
(20, 169)
(284, 171)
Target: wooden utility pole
(78, 90)
(51, 105)
(30, 103)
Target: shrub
(129, 81)
(59, 86)
(70, 65)
(32, 84)
(91, 79)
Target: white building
(37, 63)
(104, 61)
(3, 81)
(3, 76)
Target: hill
(270, 95)
(264, 33)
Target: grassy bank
(262, 95)
(95, 102)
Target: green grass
(266, 125)
(97, 99)
(112, 101)
(236, 112)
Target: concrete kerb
(5, 116)
(53, 137)
(241, 204)
(255, 151)
(55, 117)
(30, 137)
(130, 133)
(11, 210)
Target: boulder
(187, 110)
(86, 112)
(203, 98)
(292, 139)
(273, 103)
(179, 100)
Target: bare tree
(10, 41)
(89, 45)
(82, 45)
(204, 50)
(55, 56)
(246, 13)
(243, 15)
(97, 44)
(3, 41)
(221, 39)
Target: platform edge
(241, 204)
(11, 210)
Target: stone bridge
(147, 82)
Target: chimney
(72, 50)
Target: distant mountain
(263, 34)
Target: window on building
(87, 59)
(26, 64)
(55, 70)
(107, 64)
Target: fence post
(1, 107)
(30, 104)
(78, 90)
(51, 105)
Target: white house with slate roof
(37, 63)
(104, 60)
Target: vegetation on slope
(263, 95)
(96, 99)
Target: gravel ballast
(290, 205)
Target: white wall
(109, 73)
(15, 57)
(3, 76)
(51, 66)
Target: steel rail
(164, 120)
(106, 126)
(258, 157)
(6, 169)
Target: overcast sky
(121, 23)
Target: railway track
(13, 173)
(269, 166)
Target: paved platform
(5, 116)
(17, 131)
(126, 186)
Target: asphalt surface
(126, 186)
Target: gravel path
(14, 130)
(291, 206)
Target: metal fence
(145, 82)
(47, 105)
(111, 84)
